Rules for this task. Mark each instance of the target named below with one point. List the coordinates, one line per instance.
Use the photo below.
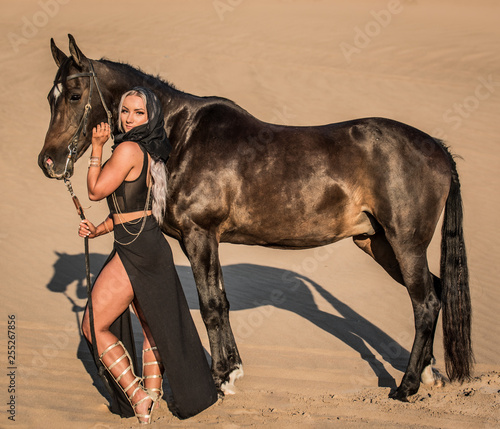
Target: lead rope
(100, 367)
(72, 153)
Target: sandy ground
(329, 351)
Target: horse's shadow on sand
(250, 286)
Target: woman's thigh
(111, 295)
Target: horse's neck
(121, 78)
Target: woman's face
(133, 112)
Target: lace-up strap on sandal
(112, 346)
(132, 380)
(155, 392)
(147, 417)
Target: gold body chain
(135, 221)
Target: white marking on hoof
(427, 377)
(431, 377)
(228, 387)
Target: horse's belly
(303, 230)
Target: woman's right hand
(100, 134)
(87, 229)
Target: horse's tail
(455, 286)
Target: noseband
(72, 147)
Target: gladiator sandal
(122, 372)
(154, 388)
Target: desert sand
(328, 352)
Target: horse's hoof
(398, 396)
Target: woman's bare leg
(111, 295)
(152, 367)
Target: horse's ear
(59, 56)
(78, 56)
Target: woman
(140, 271)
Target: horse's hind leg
(426, 305)
(430, 376)
(410, 269)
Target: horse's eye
(75, 97)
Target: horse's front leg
(202, 249)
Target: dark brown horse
(236, 179)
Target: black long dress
(149, 265)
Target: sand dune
(331, 350)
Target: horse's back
(228, 131)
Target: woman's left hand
(87, 229)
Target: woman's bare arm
(127, 160)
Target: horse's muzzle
(48, 167)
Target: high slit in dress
(148, 261)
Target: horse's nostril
(49, 162)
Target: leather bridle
(82, 127)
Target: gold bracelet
(106, 226)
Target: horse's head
(76, 106)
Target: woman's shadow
(249, 286)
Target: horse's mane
(161, 84)
(136, 71)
